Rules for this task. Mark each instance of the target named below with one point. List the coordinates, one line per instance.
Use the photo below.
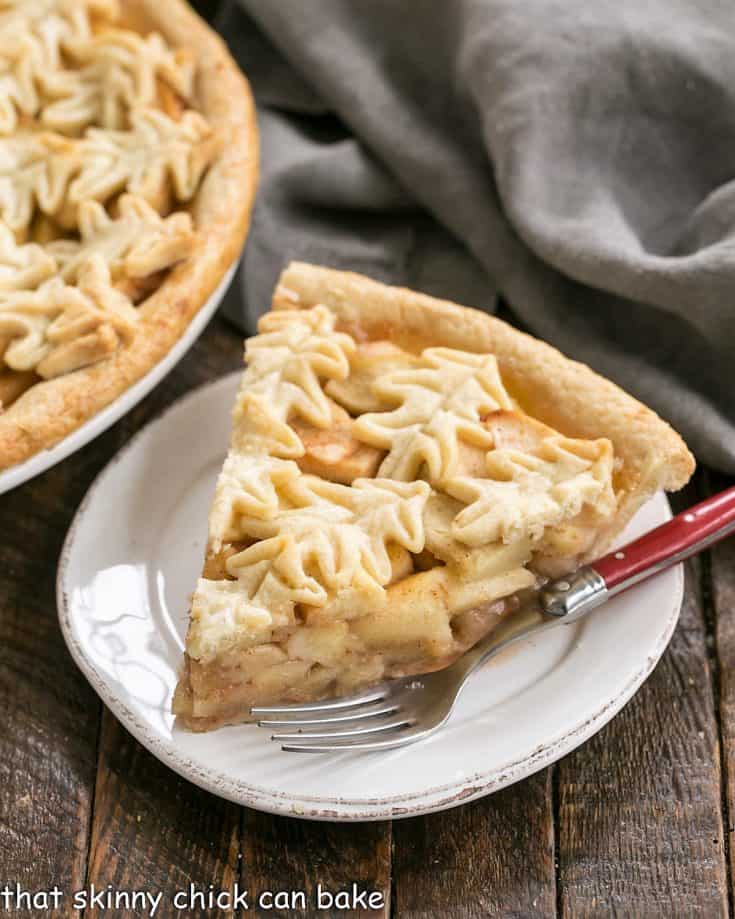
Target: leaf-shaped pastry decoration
(116, 71)
(22, 267)
(437, 404)
(372, 361)
(135, 243)
(157, 157)
(57, 328)
(527, 492)
(21, 64)
(293, 351)
(58, 174)
(327, 538)
(247, 486)
(35, 171)
(56, 23)
(33, 34)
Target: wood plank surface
(154, 831)
(640, 825)
(492, 857)
(723, 609)
(48, 714)
(284, 854)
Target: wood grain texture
(154, 831)
(286, 854)
(640, 825)
(722, 569)
(49, 715)
(492, 857)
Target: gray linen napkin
(577, 157)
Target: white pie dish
(122, 597)
(45, 459)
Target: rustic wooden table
(637, 822)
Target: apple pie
(128, 159)
(399, 469)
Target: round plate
(132, 557)
(100, 422)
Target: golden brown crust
(52, 409)
(565, 394)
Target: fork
(405, 710)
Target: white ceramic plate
(100, 422)
(132, 556)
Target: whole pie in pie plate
(399, 469)
(128, 163)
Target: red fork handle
(684, 535)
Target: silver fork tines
(336, 719)
(399, 712)
(358, 733)
(348, 702)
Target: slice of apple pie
(400, 467)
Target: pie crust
(209, 222)
(400, 468)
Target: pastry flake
(319, 582)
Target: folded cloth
(577, 157)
